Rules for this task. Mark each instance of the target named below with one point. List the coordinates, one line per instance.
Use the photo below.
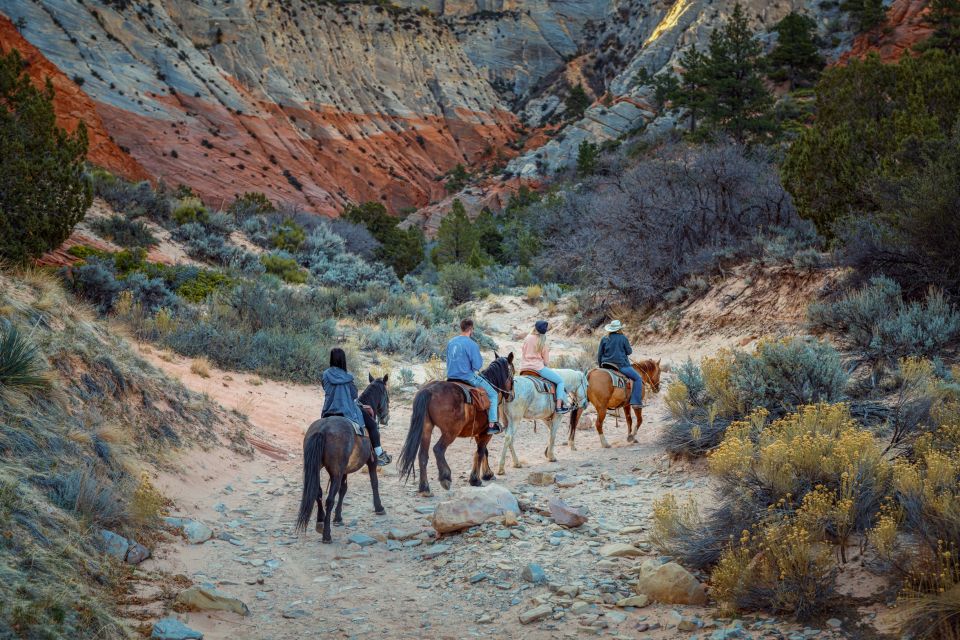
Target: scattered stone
(293, 613)
(485, 618)
(473, 506)
(208, 598)
(393, 545)
(502, 534)
(413, 543)
(362, 539)
(478, 577)
(510, 519)
(834, 623)
(566, 482)
(137, 553)
(220, 507)
(567, 516)
(615, 617)
(116, 545)
(541, 478)
(195, 531)
(435, 550)
(579, 607)
(670, 583)
(536, 614)
(534, 573)
(635, 528)
(619, 550)
(426, 509)
(173, 629)
(402, 534)
(638, 601)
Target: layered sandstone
(311, 104)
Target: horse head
(650, 372)
(376, 396)
(500, 374)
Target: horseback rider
(340, 399)
(535, 356)
(615, 350)
(464, 362)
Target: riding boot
(494, 429)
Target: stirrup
(383, 459)
(494, 429)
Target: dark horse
(442, 404)
(332, 443)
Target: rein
(508, 396)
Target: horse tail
(312, 458)
(411, 447)
(581, 394)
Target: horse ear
(496, 356)
(510, 357)
(658, 361)
(385, 376)
(370, 376)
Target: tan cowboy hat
(616, 325)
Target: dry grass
(201, 367)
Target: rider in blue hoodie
(340, 399)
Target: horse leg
(332, 493)
(513, 454)
(443, 469)
(483, 440)
(338, 516)
(507, 444)
(554, 425)
(424, 457)
(639, 413)
(375, 488)
(320, 511)
(629, 417)
(601, 414)
(574, 421)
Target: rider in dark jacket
(340, 399)
(615, 349)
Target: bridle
(508, 396)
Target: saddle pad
(473, 395)
(358, 429)
(541, 384)
(619, 380)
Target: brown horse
(605, 397)
(442, 404)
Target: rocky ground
(393, 575)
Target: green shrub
(458, 282)
(20, 366)
(124, 232)
(189, 210)
(779, 376)
(879, 328)
(288, 236)
(43, 190)
(401, 249)
(204, 284)
(251, 203)
(283, 267)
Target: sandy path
(297, 587)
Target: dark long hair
(338, 358)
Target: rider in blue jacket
(464, 362)
(615, 349)
(340, 399)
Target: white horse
(531, 404)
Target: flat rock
(541, 478)
(473, 506)
(115, 545)
(670, 584)
(137, 553)
(638, 601)
(402, 534)
(536, 614)
(362, 539)
(566, 515)
(435, 550)
(195, 531)
(173, 629)
(207, 598)
(619, 550)
(534, 573)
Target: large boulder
(567, 516)
(472, 506)
(670, 584)
(115, 545)
(207, 598)
(619, 550)
(195, 531)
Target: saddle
(619, 380)
(541, 384)
(473, 395)
(357, 427)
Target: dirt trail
(296, 587)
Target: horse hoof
(475, 482)
(327, 540)
(488, 478)
(425, 494)
(319, 528)
(518, 465)
(446, 484)
(501, 472)
(338, 523)
(631, 439)
(381, 512)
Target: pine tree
(944, 17)
(402, 249)
(795, 57)
(690, 92)
(456, 238)
(587, 155)
(736, 100)
(577, 102)
(866, 14)
(44, 191)
(490, 236)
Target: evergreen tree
(457, 238)
(399, 248)
(490, 236)
(866, 14)
(795, 57)
(944, 17)
(587, 155)
(44, 191)
(577, 102)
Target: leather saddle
(541, 384)
(472, 395)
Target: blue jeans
(636, 397)
(479, 381)
(554, 377)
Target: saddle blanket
(473, 395)
(358, 429)
(541, 384)
(619, 380)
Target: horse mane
(373, 393)
(648, 366)
(498, 372)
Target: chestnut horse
(443, 405)
(604, 397)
